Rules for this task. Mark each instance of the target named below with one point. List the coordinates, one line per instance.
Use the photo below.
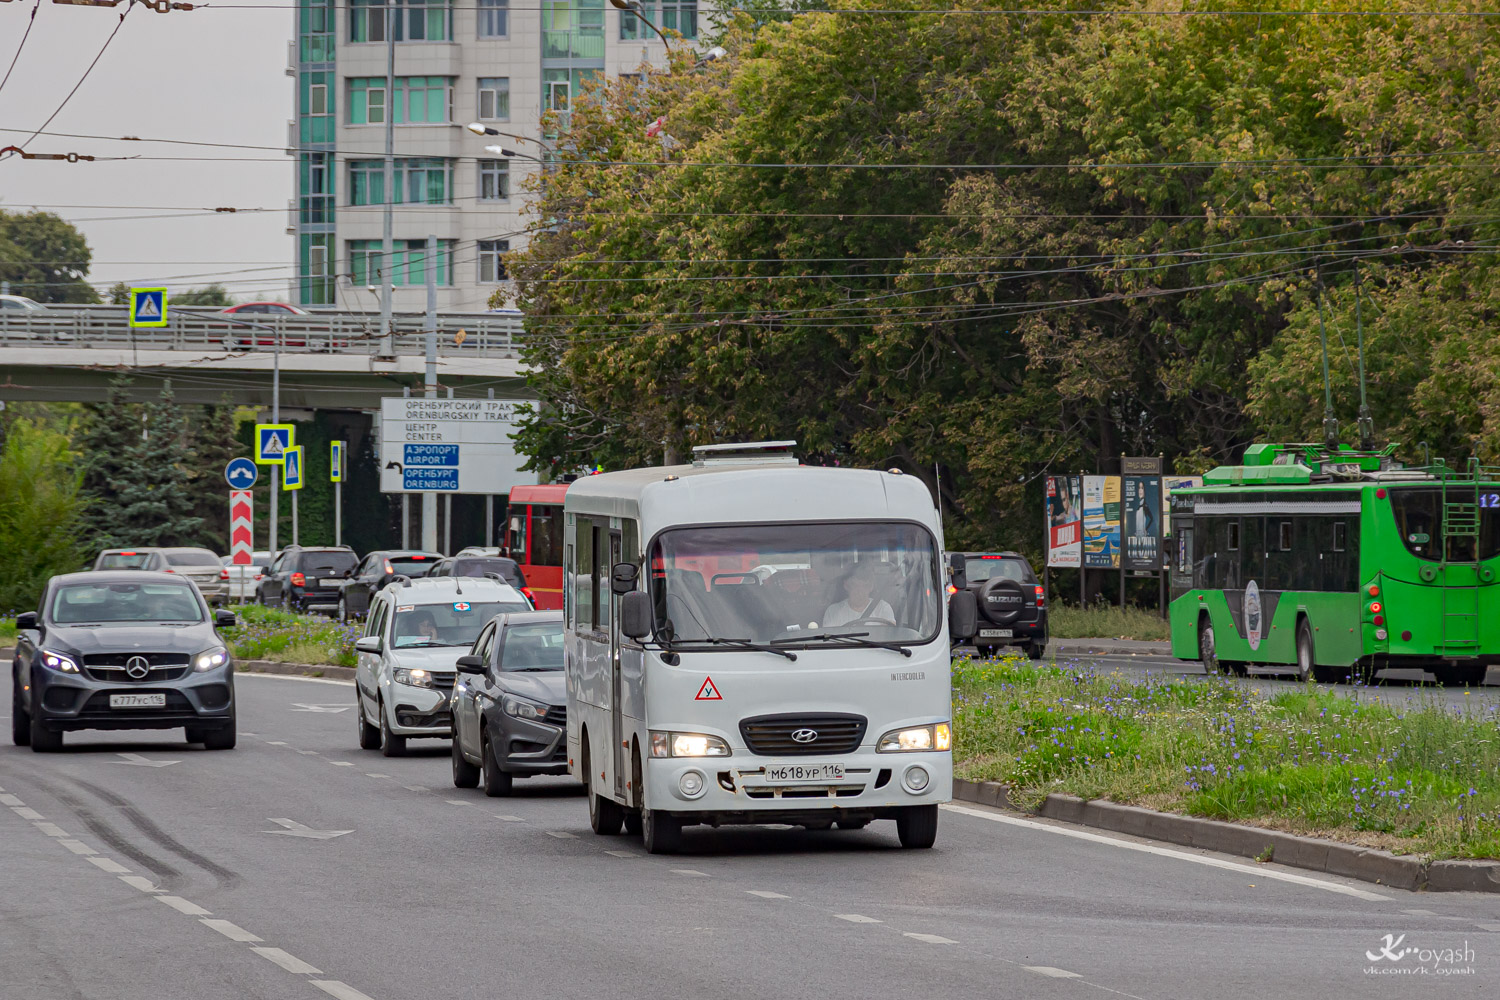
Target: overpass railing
(188, 329)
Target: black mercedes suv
(1012, 604)
(122, 649)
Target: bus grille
(771, 735)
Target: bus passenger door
(616, 683)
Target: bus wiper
(853, 640)
(750, 644)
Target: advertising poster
(1143, 518)
(1101, 522)
(1064, 521)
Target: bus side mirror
(959, 571)
(963, 614)
(622, 578)
(635, 614)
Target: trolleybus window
(1419, 519)
(796, 584)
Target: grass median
(1420, 779)
(272, 634)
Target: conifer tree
(107, 435)
(213, 444)
(157, 503)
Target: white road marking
(295, 829)
(457, 802)
(342, 763)
(294, 677)
(338, 990)
(232, 931)
(857, 918)
(689, 871)
(25, 812)
(928, 938)
(510, 819)
(766, 894)
(310, 752)
(369, 775)
(1256, 870)
(276, 743)
(1420, 913)
(139, 882)
(77, 847)
(414, 788)
(10, 800)
(139, 761)
(50, 829)
(562, 835)
(321, 709)
(243, 733)
(184, 906)
(1489, 927)
(110, 865)
(1047, 970)
(623, 854)
(289, 962)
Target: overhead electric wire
(30, 23)
(988, 12)
(100, 55)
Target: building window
(315, 30)
(418, 182)
(494, 98)
(315, 284)
(418, 100)
(491, 261)
(573, 29)
(494, 18)
(408, 266)
(416, 20)
(317, 103)
(556, 90)
(315, 110)
(494, 180)
(677, 15)
(316, 191)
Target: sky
(206, 75)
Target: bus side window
(1338, 536)
(602, 573)
(569, 575)
(515, 540)
(583, 576)
(546, 535)
(1185, 551)
(1284, 536)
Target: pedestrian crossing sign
(148, 307)
(272, 442)
(336, 461)
(291, 469)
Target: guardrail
(482, 334)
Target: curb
(1331, 857)
(1102, 647)
(294, 669)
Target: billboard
(1101, 522)
(1064, 521)
(1142, 527)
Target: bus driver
(860, 588)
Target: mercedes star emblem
(137, 667)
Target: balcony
(587, 43)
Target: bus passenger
(860, 586)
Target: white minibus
(749, 640)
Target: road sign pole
(294, 517)
(338, 513)
(275, 508)
(429, 386)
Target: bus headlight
(935, 737)
(687, 745)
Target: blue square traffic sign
(428, 478)
(148, 307)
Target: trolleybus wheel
(1207, 652)
(1305, 658)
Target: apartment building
(456, 61)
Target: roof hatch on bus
(745, 453)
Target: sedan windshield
(537, 646)
(94, 603)
(506, 568)
(123, 560)
(796, 583)
(455, 624)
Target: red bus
(534, 539)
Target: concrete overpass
(328, 360)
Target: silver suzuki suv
(414, 634)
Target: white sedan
(244, 578)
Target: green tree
(212, 444)
(44, 257)
(40, 513)
(106, 439)
(156, 502)
(119, 294)
(213, 295)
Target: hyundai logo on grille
(805, 735)
(137, 667)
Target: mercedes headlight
(938, 736)
(413, 676)
(523, 709)
(210, 658)
(57, 661)
(687, 745)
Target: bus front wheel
(661, 832)
(1305, 659)
(916, 826)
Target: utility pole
(489, 507)
(429, 388)
(406, 500)
(387, 248)
(275, 419)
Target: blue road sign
(429, 478)
(148, 307)
(291, 469)
(241, 473)
(272, 441)
(445, 455)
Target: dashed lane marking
(767, 894)
(10, 800)
(232, 931)
(457, 802)
(140, 882)
(1200, 859)
(276, 743)
(928, 938)
(184, 906)
(338, 990)
(691, 872)
(369, 775)
(77, 847)
(50, 829)
(110, 865)
(1047, 970)
(342, 763)
(1489, 927)
(308, 752)
(1419, 913)
(414, 788)
(510, 819)
(857, 918)
(25, 812)
(562, 835)
(623, 854)
(287, 961)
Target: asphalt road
(198, 880)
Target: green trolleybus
(1338, 563)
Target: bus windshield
(795, 583)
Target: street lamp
(480, 128)
(502, 151)
(634, 7)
